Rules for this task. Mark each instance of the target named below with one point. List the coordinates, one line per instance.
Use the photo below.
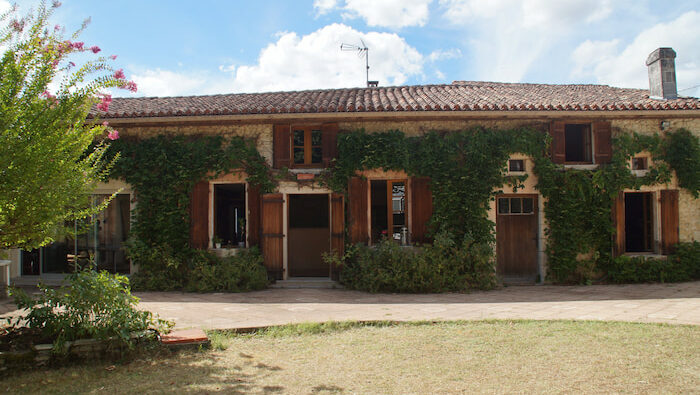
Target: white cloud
(607, 64)
(324, 6)
(315, 61)
(509, 36)
(294, 62)
(160, 82)
(385, 13)
(4, 6)
(441, 54)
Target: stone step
(187, 338)
(307, 282)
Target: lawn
(421, 358)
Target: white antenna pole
(363, 51)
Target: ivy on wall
(468, 169)
(162, 171)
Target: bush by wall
(683, 265)
(443, 266)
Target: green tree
(50, 157)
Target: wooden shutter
(618, 215)
(273, 234)
(281, 150)
(253, 215)
(329, 142)
(357, 210)
(557, 131)
(337, 229)
(421, 208)
(669, 220)
(603, 142)
(199, 216)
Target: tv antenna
(363, 52)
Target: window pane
(577, 142)
(298, 155)
(527, 205)
(316, 155)
(315, 137)
(516, 165)
(515, 206)
(229, 214)
(299, 137)
(503, 205)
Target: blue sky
(204, 47)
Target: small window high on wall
(388, 209)
(229, 214)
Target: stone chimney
(662, 74)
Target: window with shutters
(581, 143)
(304, 145)
(388, 210)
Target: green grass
(404, 358)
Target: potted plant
(217, 242)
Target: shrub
(441, 267)
(238, 273)
(95, 305)
(683, 265)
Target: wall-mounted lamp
(665, 125)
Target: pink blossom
(48, 95)
(78, 45)
(105, 123)
(95, 49)
(57, 28)
(113, 134)
(113, 57)
(119, 74)
(71, 64)
(55, 4)
(131, 86)
(104, 105)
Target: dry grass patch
(487, 356)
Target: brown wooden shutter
(337, 229)
(557, 131)
(273, 234)
(199, 216)
(618, 215)
(421, 208)
(329, 142)
(603, 142)
(669, 220)
(253, 215)
(357, 210)
(281, 150)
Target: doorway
(517, 237)
(639, 224)
(309, 235)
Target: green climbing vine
(468, 169)
(162, 171)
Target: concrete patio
(664, 303)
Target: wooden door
(669, 220)
(309, 235)
(337, 229)
(516, 236)
(273, 234)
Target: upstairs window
(577, 142)
(307, 145)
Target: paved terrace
(666, 303)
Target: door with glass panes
(516, 236)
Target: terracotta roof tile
(458, 96)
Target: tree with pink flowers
(51, 155)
